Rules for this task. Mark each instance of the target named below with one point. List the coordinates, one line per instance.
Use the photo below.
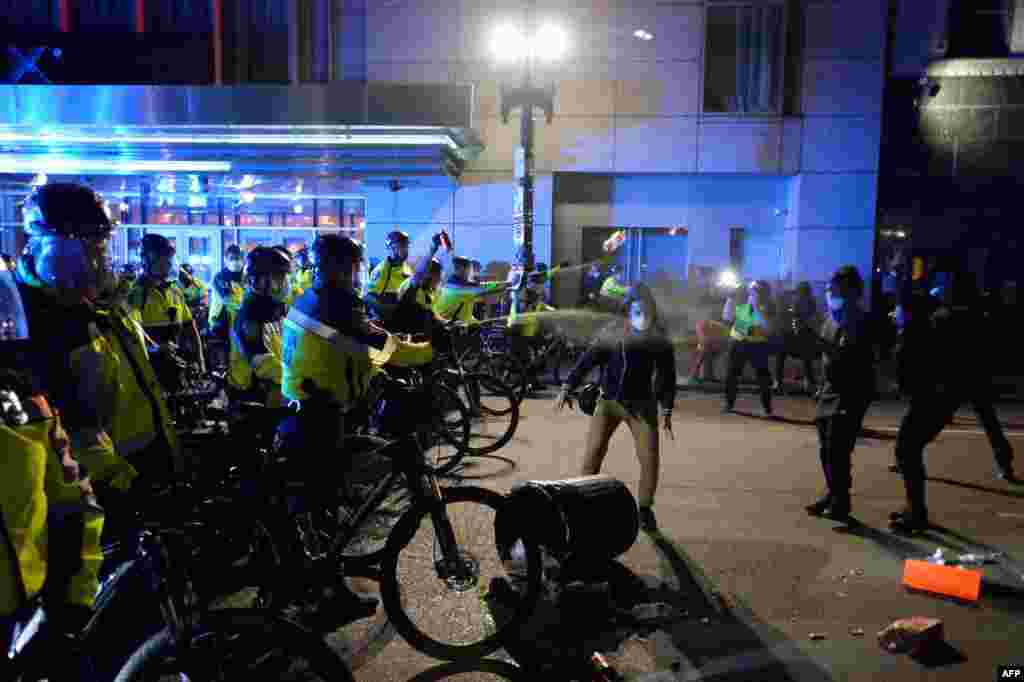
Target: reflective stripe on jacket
(322, 355)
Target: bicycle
(148, 572)
(446, 533)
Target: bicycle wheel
(449, 432)
(237, 645)
(509, 370)
(494, 412)
(458, 617)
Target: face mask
(234, 265)
(640, 321)
(835, 303)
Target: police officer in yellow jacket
(226, 292)
(254, 373)
(331, 351)
(49, 524)
(385, 279)
(302, 274)
(91, 360)
(459, 294)
(158, 303)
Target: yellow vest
(749, 325)
(127, 395)
(242, 374)
(161, 310)
(387, 278)
(31, 482)
(337, 364)
(232, 303)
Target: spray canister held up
(612, 244)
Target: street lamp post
(526, 45)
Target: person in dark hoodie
(847, 349)
(639, 374)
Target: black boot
(909, 521)
(839, 510)
(821, 506)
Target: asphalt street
(745, 578)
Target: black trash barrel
(591, 518)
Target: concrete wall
(632, 109)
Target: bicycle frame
(151, 561)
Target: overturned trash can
(579, 522)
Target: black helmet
(302, 257)
(233, 251)
(396, 237)
(157, 245)
(335, 252)
(66, 209)
(265, 260)
(460, 262)
(187, 268)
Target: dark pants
(839, 420)
(756, 353)
(795, 345)
(928, 414)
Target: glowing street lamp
(525, 45)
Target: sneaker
(647, 520)
(1005, 473)
(908, 522)
(820, 507)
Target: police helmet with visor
(397, 243)
(266, 272)
(69, 230)
(336, 255)
(159, 257)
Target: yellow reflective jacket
(161, 309)
(330, 351)
(225, 298)
(256, 348)
(32, 484)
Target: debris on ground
(705, 621)
(911, 635)
(816, 636)
(841, 595)
(951, 581)
(857, 632)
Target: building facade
(718, 133)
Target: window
(743, 60)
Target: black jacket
(637, 367)
(848, 357)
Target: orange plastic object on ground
(948, 580)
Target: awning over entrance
(336, 129)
